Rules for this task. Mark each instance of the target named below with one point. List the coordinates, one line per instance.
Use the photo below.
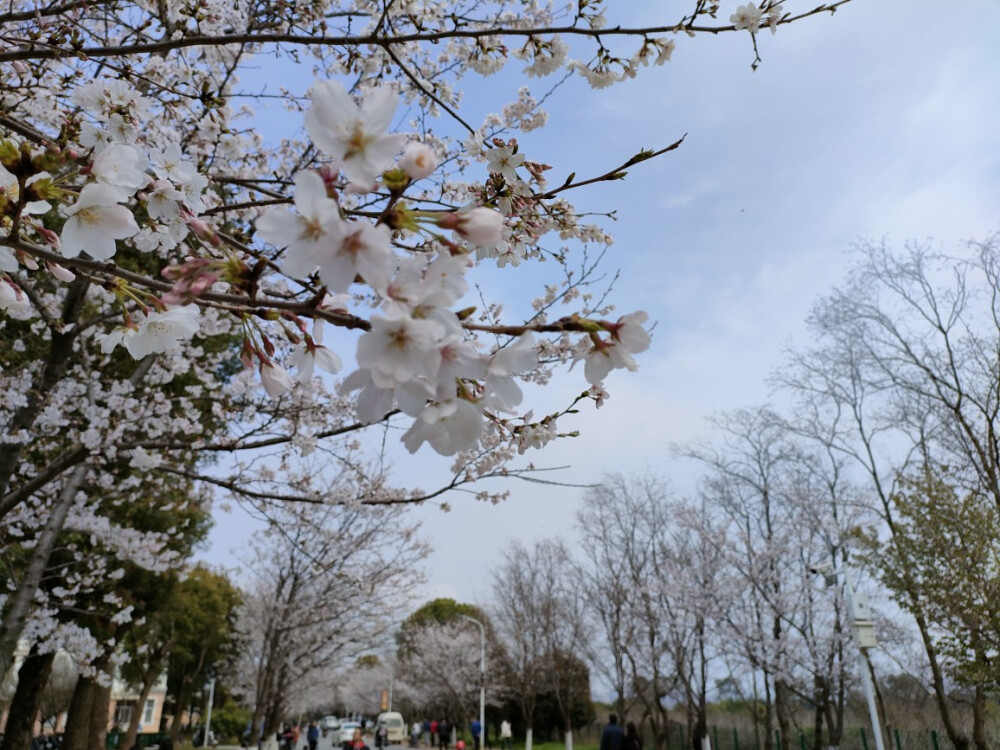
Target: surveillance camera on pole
(863, 628)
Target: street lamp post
(208, 714)
(482, 675)
(863, 628)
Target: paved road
(324, 744)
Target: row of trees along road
(166, 268)
(884, 469)
(434, 665)
(885, 465)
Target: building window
(123, 714)
(149, 712)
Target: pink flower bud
(480, 226)
(50, 237)
(61, 273)
(204, 232)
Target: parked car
(347, 730)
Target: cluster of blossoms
(119, 167)
(749, 16)
(417, 356)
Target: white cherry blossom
(482, 227)
(361, 249)
(121, 166)
(275, 379)
(373, 402)
(7, 260)
(628, 337)
(169, 164)
(505, 161)
(13, 300)
(354, 136)
(747, 17)
(95, 222)
(312, 229)
(163, 201)
(519, 357)
(153, 333)
(162, 331)
(311, 355)
(449, 426)
(397, 350)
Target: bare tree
(905, 372)
(623, 523)
(773, 522)
(542, 622)
(325, 588)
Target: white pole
(482, 678)
(208, 714)
(865, 675)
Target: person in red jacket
(356, 743)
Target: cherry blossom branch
(22, 129)
(235, 486)
(615, 174)
(430, 94)
(234, 446)
(52, 10)
(237, 303)
(39, 51)
(53, 469)
(244, 305)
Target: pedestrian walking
(357, 742)
(632, 739)
(612, 737)
(444, 735)
(477, 730)
(434, 733)
(506, 736)
(427, 731)
(312, 735)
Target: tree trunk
(783, 713)
(182, 699)
(23, 711)
(822, 695)
(78, 716)
(768, 739)
(527, 738)
(99, 713)
(22, 603)
(978, 716)
(147, 685)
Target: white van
(394, 723)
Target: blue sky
(878, 122)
